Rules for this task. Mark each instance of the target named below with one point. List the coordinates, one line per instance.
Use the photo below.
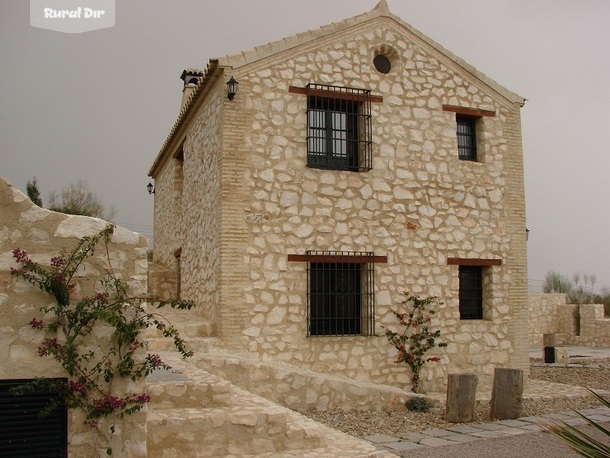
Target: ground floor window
(23, 432)
(471, 292)
(340, 293)
(475, 286)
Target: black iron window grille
(23, 431)
(471, 292)
(339, 128)
(466, 137)
(340, 294)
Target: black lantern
(232, 88)
(150, 188)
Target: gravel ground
(595, 375)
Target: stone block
(562, 355)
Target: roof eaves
(186, 112)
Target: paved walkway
(462, 433)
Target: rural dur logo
(72, 16)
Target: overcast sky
(98, 105)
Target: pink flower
(20, 255)
(143, 398)
(36, 324)
(76, 387)
(108, 403)
(57, 261)
(154, 361)
(50, 347)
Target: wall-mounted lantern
(232, 88)
(150, 187)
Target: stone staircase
(193, 413)
(197, 332)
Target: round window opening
(382, 64)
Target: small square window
(339, 128)
(471, 292)
(466, 137)
(340, 294)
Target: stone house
(353, 163)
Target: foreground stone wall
(573, 324)
(44, 234)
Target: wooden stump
(507, 394)
(461, 397)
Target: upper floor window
(466, 137)
(469, 123)
(339, 130)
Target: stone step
(188, 394)
(226, 431)
(197, 344)
(186, 328)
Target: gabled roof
(259, 53)
(381, 10)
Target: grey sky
(98, 105)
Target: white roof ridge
(259, 52)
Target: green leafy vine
(417, 336)
(70, 320)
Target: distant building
(354, 162)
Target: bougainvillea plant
(91, 364)
(416, 337)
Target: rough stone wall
(594, 326)
(162, 282)
(419, 206)
(44, 234)
(549, 313)
(190, 220)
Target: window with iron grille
(339, 130)
(340, 293)
(466, 137)
(23, 431)
(471, 292)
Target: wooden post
(461, 397)
(507, 394)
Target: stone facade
(235, 196)
(44, 234)
(574, 325)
